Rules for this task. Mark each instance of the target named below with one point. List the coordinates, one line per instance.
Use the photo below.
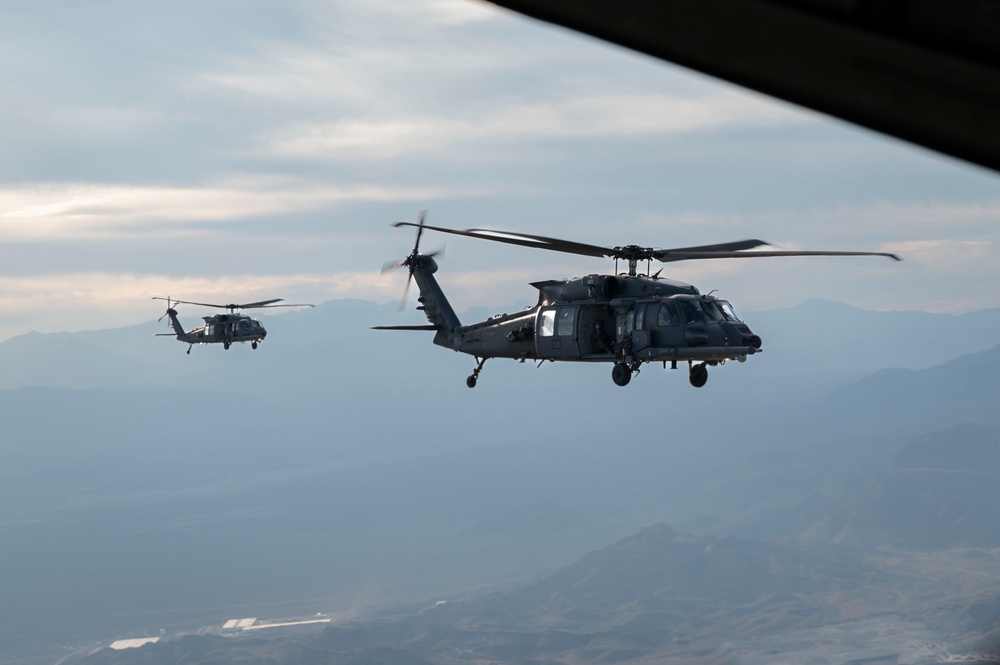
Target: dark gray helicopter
(626, 319)
(222, 329)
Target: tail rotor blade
(168, 308)
(392, 265)
(406, 292)
(420, 229)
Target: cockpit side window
(690, 312)
(667, 316)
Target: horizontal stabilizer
(424, 327)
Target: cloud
(624, 116)
(83, 300)
(61, 211)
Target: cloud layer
(256, 150)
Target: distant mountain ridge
(362, 457)
(940, 494)
(818, 342)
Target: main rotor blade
(524, 240)
(202, 304)
(297, 304)
(727, 250)
(249, 305)
(252, 305)
(720, 247)
(685, 256)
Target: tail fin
(433, 303)
(432, 300)
(172, 313)
(176, 324)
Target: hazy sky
(237, 150)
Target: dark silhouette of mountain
(656, 594)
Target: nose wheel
(698, 375)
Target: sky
(240, 150)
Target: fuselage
(602, 318)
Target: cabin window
(567, 317)
(666, 317)
(548, 327)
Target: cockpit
(691, 310)
(248, 326)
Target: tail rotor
(170, 308)
(411, 260)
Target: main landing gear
(698, 374)
(472, 378)
(621, 374)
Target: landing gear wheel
(471, 380)
(621, 374)
(253, 346)
(225, 345)
(698, 375)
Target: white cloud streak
(581, 117)
(65, 211)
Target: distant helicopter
(222, 329)
(626, 319)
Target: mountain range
(147, 488)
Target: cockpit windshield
(718, 310)
(712, 311)
(727, 310)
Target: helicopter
(627, 319)
(222, 329)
